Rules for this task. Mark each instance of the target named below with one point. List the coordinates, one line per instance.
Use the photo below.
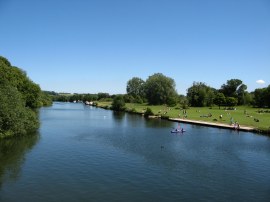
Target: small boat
(178, 131)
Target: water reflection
(159, 123)
(97, 155)
(118, 116)
(12, 152)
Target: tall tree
(135, 88)
(231, 101)
(200, 95)
(262, 97)
(229, 89)
(160, 89)
(241, 94)
(219, 99)
(267, 96)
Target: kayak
(177, 131)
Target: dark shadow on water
(12, 152)
(159, 123)
(118, 116)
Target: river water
(85, 153)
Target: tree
(262, 97)
(75, 97)
(118, 103)
(160, 89)
(45, 99)
(183, 101)
(241, 94)
(5, 61)
(267, 96)
(20, 97)
(15, 118)
(229, 89)
(135, 88)
(90, 97)
(235, 88)
(16, 77)
(219, 99)
(249, 98)
(103, 95)
(231, 101)
(200, 95)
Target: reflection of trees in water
(118, 116)
(159, 123)
(12, 153)
(134, 119)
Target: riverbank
(217, 125)
(250, 119)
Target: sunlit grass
(244, 115)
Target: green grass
(244, 115)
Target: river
(84, 153)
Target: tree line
(159, 89)
(19, 100)
(76, 97)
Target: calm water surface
(89, 154)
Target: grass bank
(246, 116)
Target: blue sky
(91, 46)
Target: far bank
(249, 118)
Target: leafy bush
(148, 112)
(118, 103)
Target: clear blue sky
(91, 46)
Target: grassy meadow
(244, 115)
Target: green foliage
(245, 115)
(248, 98)
(231, 101)
(19, 99)
(90, 97)
(229, 89)
(46, 99)
(183, 101)
(15, 118)
(106, 99)
(103, 95)
(118, 103)
(160, 89)
(135, 87)
(235, 88)
(220, 99)
(16, 77)
(5, 61)
(61, 98)
(130, 99)
(262, 97)
(241, 94)
(67, 97)
(135, 90)
(200, 95)
(148, 112)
